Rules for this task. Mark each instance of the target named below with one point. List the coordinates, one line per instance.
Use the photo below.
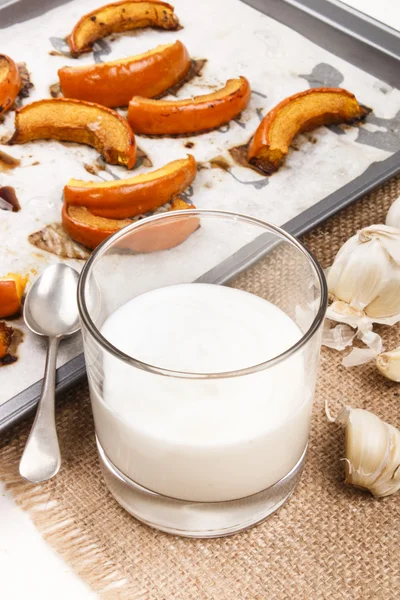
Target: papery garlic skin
(366, 272)
(338, 337)
(388, 363)
(393, 216)
(372, 452)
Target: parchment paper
(236, 40)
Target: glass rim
(134, 362)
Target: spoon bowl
(50, 310)
(50, 307)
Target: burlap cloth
(329, 542)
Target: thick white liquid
(204, 440)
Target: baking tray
(349, 34)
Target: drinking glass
(193, 453)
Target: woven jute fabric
(328, 542)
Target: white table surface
(29, 568)
(22, 549)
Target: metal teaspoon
(50, 310)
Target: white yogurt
(205, 440)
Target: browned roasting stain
(239, 155)
(7, 161)
(142, 159)
(219, 162)
(53, 238)
(92, 169)
(55, 90)
(10, 339)
(195, 69)
(8, 199)
(26, 81)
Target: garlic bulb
(393, 216)
(388, 363)
(366, 272)
(372, 450)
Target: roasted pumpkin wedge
(10, 82)
(301, 112)
(89, 230)
(114, 83)
(77, 121)
(158, 117)
(117, 17)
(12, 288)
(133, 196)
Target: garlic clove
(372, 451)
(393, 216)
(388, 363)
(367, 450)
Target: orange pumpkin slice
(201, 113)
(10, 82)
(134, 196)
(12, 288)
(117, 17)
(77, 121)
(89, 230)
(301, 112)
(114, 83)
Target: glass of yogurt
(201, 335)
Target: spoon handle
(41, 457)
